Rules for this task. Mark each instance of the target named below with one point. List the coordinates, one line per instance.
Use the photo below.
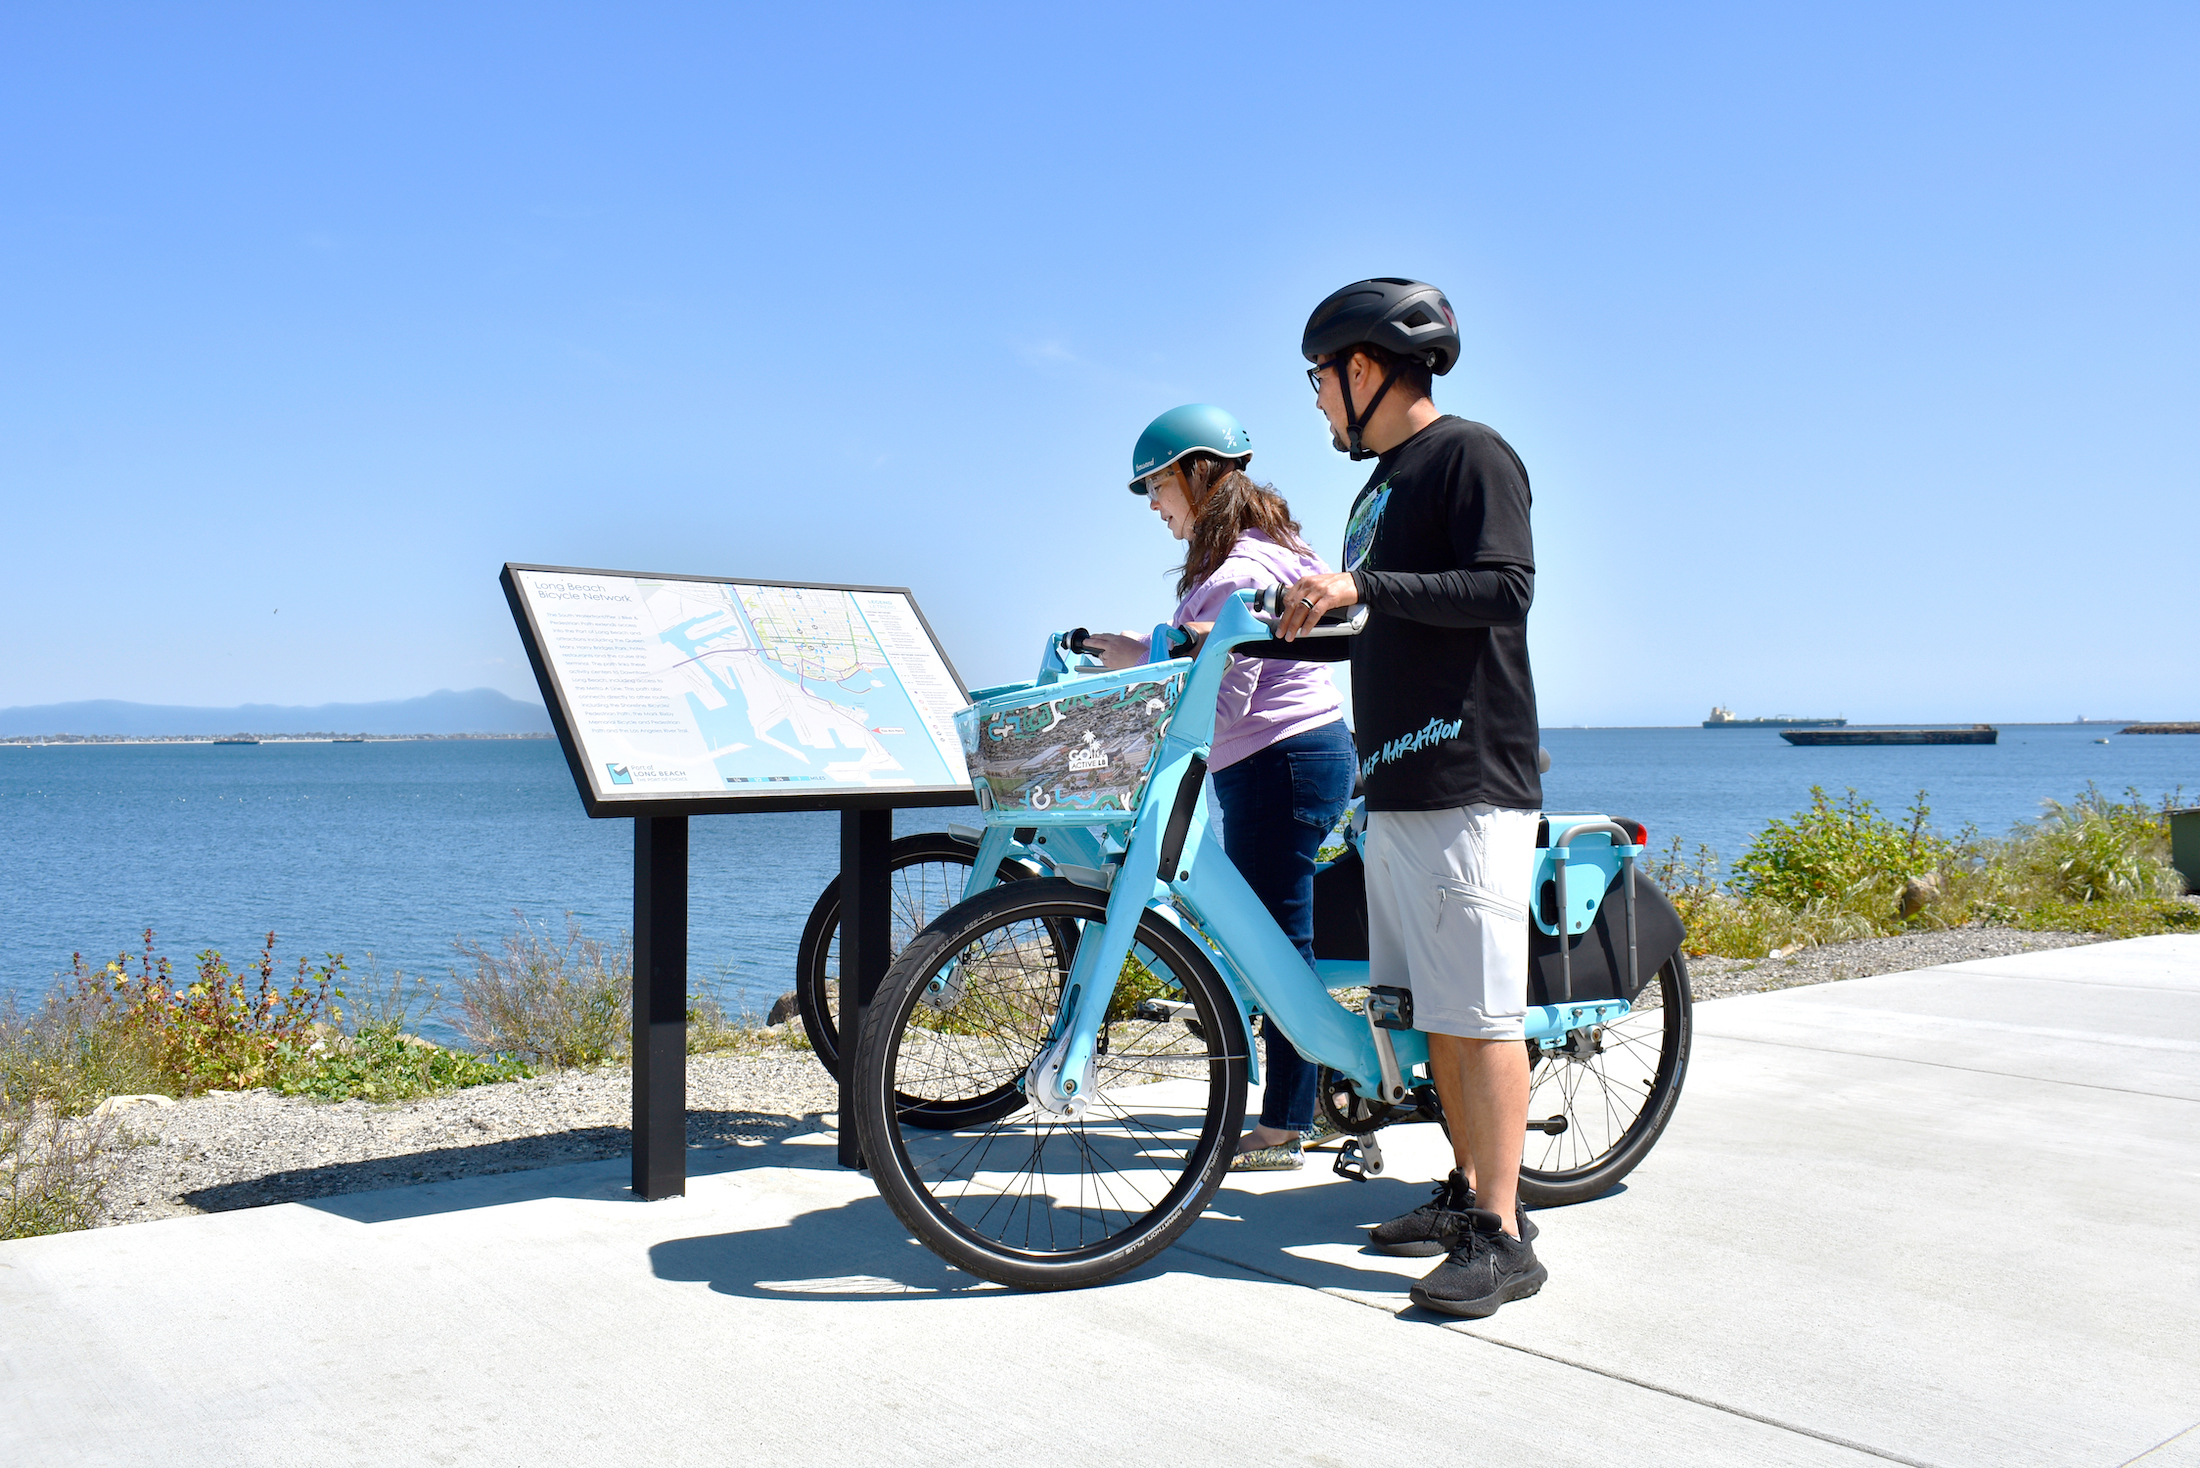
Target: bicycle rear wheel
(928, 871)
(1023, 1197)
(1607, 1096)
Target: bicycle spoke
(1025, 1180)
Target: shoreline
(224, 1151)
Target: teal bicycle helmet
(1191, 429)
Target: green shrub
(711, 1031)
(1844, 856)
(383, 1063)
(71, 1055)
(127, 1027)
(548, 1003)
(2096, 850)
(1836, 871)
(2138, 919)
(110, 1030)
(51, 1177)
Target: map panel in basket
(1090, 751)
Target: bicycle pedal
(1359, 1159)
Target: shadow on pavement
(858, 1250)
(547, 1166)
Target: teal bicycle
(1052, 1076)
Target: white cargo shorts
(1447, 915)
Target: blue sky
(1852, 350)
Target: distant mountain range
(476, 711)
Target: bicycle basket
(1084, 745)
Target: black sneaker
(1485, 1268)
(1420, 1234)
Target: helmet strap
(1355, 421)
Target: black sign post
(660, 1005)
(866, 933)
(605, 685)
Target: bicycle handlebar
(1336, 622)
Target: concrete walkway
(1948, 1217)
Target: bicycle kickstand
(1359, 1159)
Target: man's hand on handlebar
(1116, 649)
(1305, 601)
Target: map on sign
(675, 686)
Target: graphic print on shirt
(1359, 536)
(1434, 732)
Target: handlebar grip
(1268, 602)
(1336, 621)
(1075, 641)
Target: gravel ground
(1716, 978)
(219, 1152)
(241, 1150)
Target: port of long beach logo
(1359, 535)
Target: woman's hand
(1117, 649)
(1304, 602)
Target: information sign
(682, 694)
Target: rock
(787, 1006)
(114, 1104)
(1920, 893)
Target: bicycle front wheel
(1597, 1107)
(1024, 1197)
(927, 872)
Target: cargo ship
(1723, 718)
(235, 741)
(1970, 734)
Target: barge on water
(1970, 734)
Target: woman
(1282, 761)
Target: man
(1438, 549)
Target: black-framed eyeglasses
(1314, 374)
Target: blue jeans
(1277, 806)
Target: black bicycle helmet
(1408, 317)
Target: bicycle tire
(1605, 1141)
(816, 963)
(1151, 1150)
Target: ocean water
(395, 850)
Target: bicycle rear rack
(1621, 837)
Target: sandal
(1283, 1157)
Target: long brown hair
(1225, 504)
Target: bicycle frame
(1163, 857)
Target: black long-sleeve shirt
(1443, 696)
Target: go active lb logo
(620, 774)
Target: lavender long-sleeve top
(1263, 700)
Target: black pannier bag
(1340, 908)
(1599, 956)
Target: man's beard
(1336, 441)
